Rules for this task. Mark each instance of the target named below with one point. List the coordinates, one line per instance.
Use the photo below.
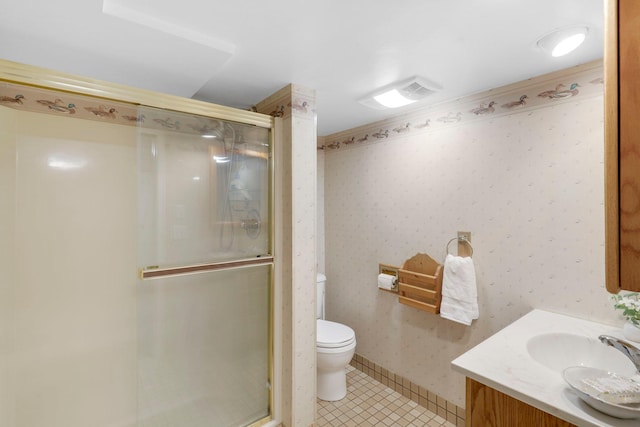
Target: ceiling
(237, 53)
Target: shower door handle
(157, 272)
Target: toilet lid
(332, 334)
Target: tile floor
(371, 403)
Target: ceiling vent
(401, 93)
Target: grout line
(420, 395)
(369, 403)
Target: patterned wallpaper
(541, 92)
(303, 182)
(58, 103)
(526, 181)
(285, 103)
(297, 197)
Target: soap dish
(604, 391)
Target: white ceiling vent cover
(411, 90)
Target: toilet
(335, 346)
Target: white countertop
(503, 363)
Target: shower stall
(136, 260)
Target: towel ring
(460, 239)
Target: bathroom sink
(526, 359)
(558, 351)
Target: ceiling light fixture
(401, 93)
(563, 40)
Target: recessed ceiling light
(562, 41)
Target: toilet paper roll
(386, 281)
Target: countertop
(503, 363)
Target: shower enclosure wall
(135, 260)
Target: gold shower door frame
(35, 77)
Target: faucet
(629, 350)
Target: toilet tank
(320, 286)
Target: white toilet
(335, 346)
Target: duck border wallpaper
(536, 92)
(47, 101)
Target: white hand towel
(459, 290)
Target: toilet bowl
(335, 347)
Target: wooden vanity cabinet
(489, 407)
(622, 144)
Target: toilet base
(332, 385)
(331, 363)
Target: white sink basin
(558, 351)
(525, 360)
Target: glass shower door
(203, 349)
(203, 300)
